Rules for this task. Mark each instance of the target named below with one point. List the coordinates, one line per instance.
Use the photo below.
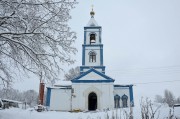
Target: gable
(92, 76)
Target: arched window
(92, 38)
(116, 101)
(92, 57)
(124, 100)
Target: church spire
(92, 13)
(92, 22)
(92, 56)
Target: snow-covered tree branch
(35, 37)
(72, 73)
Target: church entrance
(92, 101)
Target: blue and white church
(93, 89)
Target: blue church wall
(91, 27)
(100, 36)
(84, 37)
(101, 57)
(48, 97)
(83, 57)
(94, 45)
(131, 95)
(95, 67)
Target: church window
(116, 101)
(92, 57)
(92, 38)
(124, 100)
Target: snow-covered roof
(63, 83)
(7, 100)
(92, 22)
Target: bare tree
(35, 37)
(169, 98)
(30, 97)
(73, 73)
(178, 100)
(11, 94)
(148, 111)
(159, 99)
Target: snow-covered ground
(15, 113)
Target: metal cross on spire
(92, 13)
(92, 6)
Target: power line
(174, 67)
(156, 82)
(153, 70)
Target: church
(93, 89)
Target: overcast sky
(141, 42)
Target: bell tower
(92, 49)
